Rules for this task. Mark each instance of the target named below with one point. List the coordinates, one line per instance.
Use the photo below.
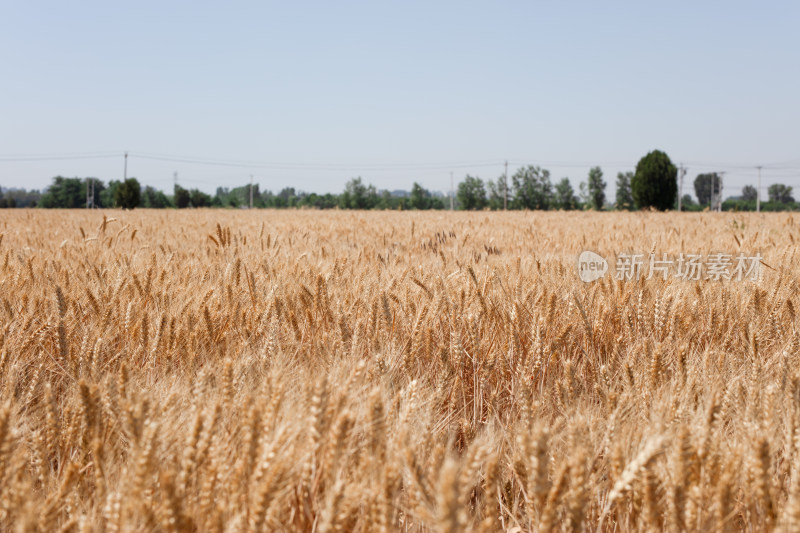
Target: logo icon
(591, 266)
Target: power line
(6, 158)
(568, 164)
(313, 166)
(784, 171)
(59, 154)
(785, 165)
(250, 164)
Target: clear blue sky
(397, 92)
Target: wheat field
(393, 371)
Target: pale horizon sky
(312, 94)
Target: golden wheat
(384, 371)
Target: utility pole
(758, 191)
(89, 193)
(174, 180)
(125, 174)
(680, 187)
(452, 190)
(719, 191)
(251, 191)
(505, 188)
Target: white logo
(591, 266)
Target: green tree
(22, 197)
(128, 195)
(532, 188)
(496, 192)
(597, 188)
(64, 192)
(238, 196)
(583, 195)
(107, 194)
(286, 197)
(624, 194)
(200, 199)
(99, 191)
(267, 199)
(705, 186)
(357, 195)
(154, 198)
(420, 197)
(749, 193)
(222, 196)
(437, 203)
(181, 197)
(565, 195)
(655, 182)
(471, 193)
(780, 193)
(323, 201)
(386, 200)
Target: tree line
(706, 186)
(653, 184)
